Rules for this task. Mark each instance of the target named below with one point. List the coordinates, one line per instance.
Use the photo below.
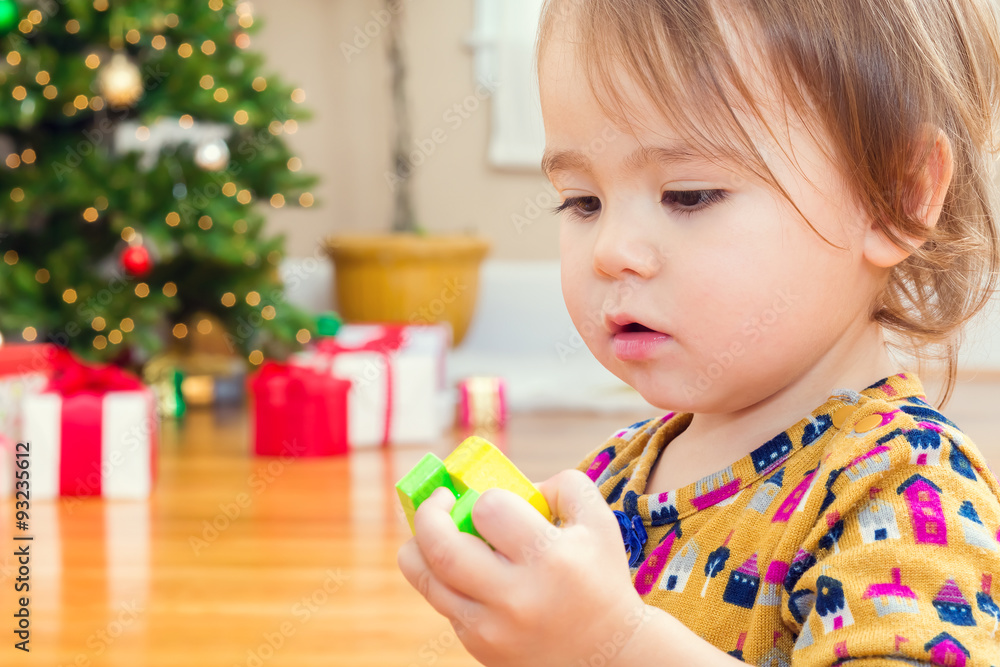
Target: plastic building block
(475, 466)
(461, 513)
(418, 484)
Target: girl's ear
(926, 204)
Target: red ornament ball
(136, 261)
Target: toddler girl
(759, 198)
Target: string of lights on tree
(140, 145)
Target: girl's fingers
(511, 525)
(574, 499)
(462, 562)
(445, 600)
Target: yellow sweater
(865, 534)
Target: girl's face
(694, 283)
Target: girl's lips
(638, 345)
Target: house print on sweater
(827, 542)
(893, 597)
(877, 520)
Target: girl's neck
(713, 440)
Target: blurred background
(259, 257)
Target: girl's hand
(548, 595)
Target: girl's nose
(624, 248)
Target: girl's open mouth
(635, 341)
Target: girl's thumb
(574, 498)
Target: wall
(347, 142)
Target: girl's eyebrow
(572, 160)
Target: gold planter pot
(405, 278)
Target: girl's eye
(686, 202)
(582, 207)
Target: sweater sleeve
(903, 561)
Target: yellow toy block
(478, 465)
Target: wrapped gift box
(482, 402)
(92, 432)
(298, 411)
(24, 371)
(398, 380)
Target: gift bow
(71, 376)
(389, 341)
(272, 369)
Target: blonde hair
(873, 77)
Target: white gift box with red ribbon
(397, 376)
(93, 432)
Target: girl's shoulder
(888, 446)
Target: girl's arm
(543, 595)
(663, 640)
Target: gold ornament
(120, 82)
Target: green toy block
(461, 513)
(418, 484)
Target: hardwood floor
(239, 561)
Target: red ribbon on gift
(83, 389)
(389, 342)
(71, 376)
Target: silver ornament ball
(212, 155)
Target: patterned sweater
(865, 534)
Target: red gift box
(298, 411)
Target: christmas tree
(140, 146)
